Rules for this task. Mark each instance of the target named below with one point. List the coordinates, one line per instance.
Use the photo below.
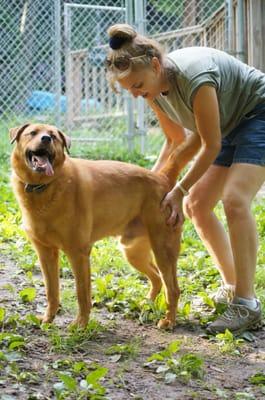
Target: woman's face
(146, 82)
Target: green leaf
(79, 366)
(186, 309)
(2, 314)
(27, 295)
(170, 377)
(173, 347)
(59, 386)
(33, 320)
(257, 379)
(248, 336)
(96, 375)
(115, 358)
(162, 368)
(68, 381)
(16, 345)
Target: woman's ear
(156, 65)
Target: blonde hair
(132, 45)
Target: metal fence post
(128, 98)
(240, 31)
(229, 26)
(140, 10)
(68, 83)
(57, 61)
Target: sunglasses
(121, 63)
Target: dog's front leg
(48, 258)
(81, 268)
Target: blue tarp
(41, 100)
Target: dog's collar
(35, 188)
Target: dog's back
(87, 201)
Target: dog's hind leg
(48, 258)
(165, 245)
(137, 250)
(81, 268)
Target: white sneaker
(224, 294)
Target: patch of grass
(173, 366)
(74, 339)
(88, 387)
(117, 153)
(124, 351)
(228, 343)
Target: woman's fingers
(172, 206)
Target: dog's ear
(14, 133)
(66, 141)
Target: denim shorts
(246, 142)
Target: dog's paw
(46, 318)
(166, 324)
(79, 322)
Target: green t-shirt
(239, 87)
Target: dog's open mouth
(40, 161)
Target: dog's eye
(33, 133)
(53, 136)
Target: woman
(222, 101)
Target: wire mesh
(52, 67)
(94, 111)
(177, 24)
(52, 62)
(28, 54)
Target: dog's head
(41, 146)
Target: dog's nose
(46, 139)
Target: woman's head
(134, 61)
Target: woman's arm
(207, 119)
(206, 113)
(163, 156)
(178, 148)
(180, 156)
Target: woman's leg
(199, 206)
(242, 184)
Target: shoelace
(233, 311)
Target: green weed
(72, 387)
(228, 344)
(172, 366)
(75, 339)
(124, 351)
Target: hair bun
(120, 34)
(116, 42)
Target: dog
(68, 204)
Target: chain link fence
(28, 59)
(177, 24)
(53, 67)
(52, 63)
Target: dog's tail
(179, 158)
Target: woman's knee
(235, 206)
(195, 207)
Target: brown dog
(68, 204)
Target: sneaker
(224, 294)
(237, 318)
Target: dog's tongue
(42, 164)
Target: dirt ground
(226, 375)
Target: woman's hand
(173, 201)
